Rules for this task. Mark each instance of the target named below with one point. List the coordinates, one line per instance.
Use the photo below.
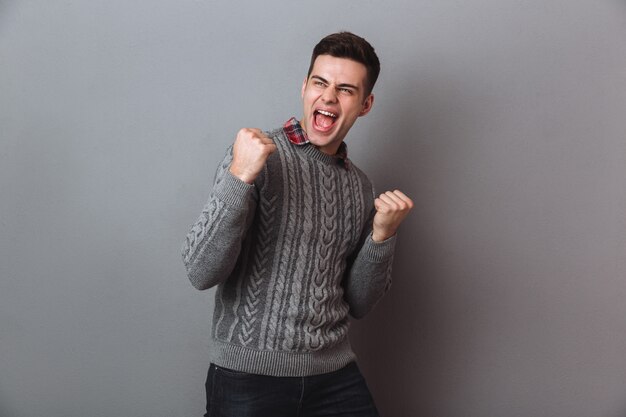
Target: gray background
(504, 120)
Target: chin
(323, 141)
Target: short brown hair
(351, 46)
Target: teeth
(327, 113)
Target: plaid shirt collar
(296, 135)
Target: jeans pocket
(232, 372)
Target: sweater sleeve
(368, 276)
(212, 246)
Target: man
(296, 241)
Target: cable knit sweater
(292, 256)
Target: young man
(296, 241)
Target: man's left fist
(391, 208)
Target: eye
(318, 83)
(346, 91)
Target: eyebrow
(342, 85)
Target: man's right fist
(250, 151)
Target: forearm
(369, 276)
(212, 246)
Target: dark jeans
(237, 394)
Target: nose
(329, 95)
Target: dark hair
(351, 46)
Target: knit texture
(293, 257)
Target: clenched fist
(391, 208)
(250, 151)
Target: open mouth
(324, 120)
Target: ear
(303, 86)
(367, 105)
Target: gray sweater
(292, 256)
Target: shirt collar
(296, 135)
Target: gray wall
(504, 120)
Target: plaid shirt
(297, 136)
